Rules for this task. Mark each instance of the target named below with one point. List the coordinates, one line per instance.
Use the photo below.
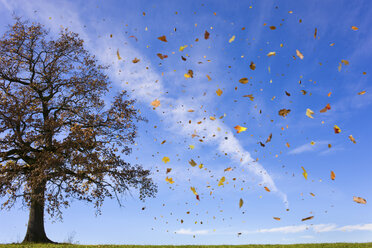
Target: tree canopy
(59, 139)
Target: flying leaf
(240, 129)
(271, 54)
(222, 180)
(359, 200)
(183, 47)
(155, 103)
(165, 160)
(168, 170)
(241, 203)
(206, 35)
(228, 169)
(191, 146)
(118, 54)
(276, 218)
(232, 39)
(362, 92)
(192, 163)
(135, 60)
(267, 189)
(345, 62)
(299, 54)
(219, 92)
(352, 139)
(309, 113)
(326, 108)
(337, 129)
(193, 190)
(284, 112)
(252, 66)
(312, 143)
(169, 180)
(243, 80)
(269, 138)
(315, 33)
(163, 38)
(304, 173)
(333, 175)
(354, 28)
(189, 74)
(307, 218)
(209, 78)
(250, 97)
(162, 56)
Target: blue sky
(132, 28)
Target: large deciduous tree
(58, 139)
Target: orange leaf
(240, 129)
(333, 175)
(359, 200)
(163, 38)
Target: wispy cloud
(319, 228)
(192, 232)
(308, 147)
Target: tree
(59, 141)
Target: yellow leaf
(166, 160)
(155, 103)
(201, 166)
(219, 92)
(191, 146)
(240, 129)
(212, 118)
(312, 143)
(232, 39)
(193, 190)
(299, 54)
(359, 200)
(309, 113)
(183, 47)
(304, 173)
(169, 180)
(228, 169)
(222, 180)
(118, 54)
(241, 202)
(209, 78)
(271, 54)
(352, 139)
(189, 74)
(192, 163)
(362, 92)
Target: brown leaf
(284, 112)
(206, 35)
(252, 66)
(307, 218)
(163, 38)
(135, 60)
(243, 80)
(276, 218)
(269, 138)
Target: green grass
(325, 245)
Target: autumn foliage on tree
(58, 139)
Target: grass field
(325, 245)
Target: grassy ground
(326, 245)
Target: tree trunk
(35, 227)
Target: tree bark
(35, 227)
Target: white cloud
(191, 232)
(309, 147)
(319, 228)
(350, 228)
